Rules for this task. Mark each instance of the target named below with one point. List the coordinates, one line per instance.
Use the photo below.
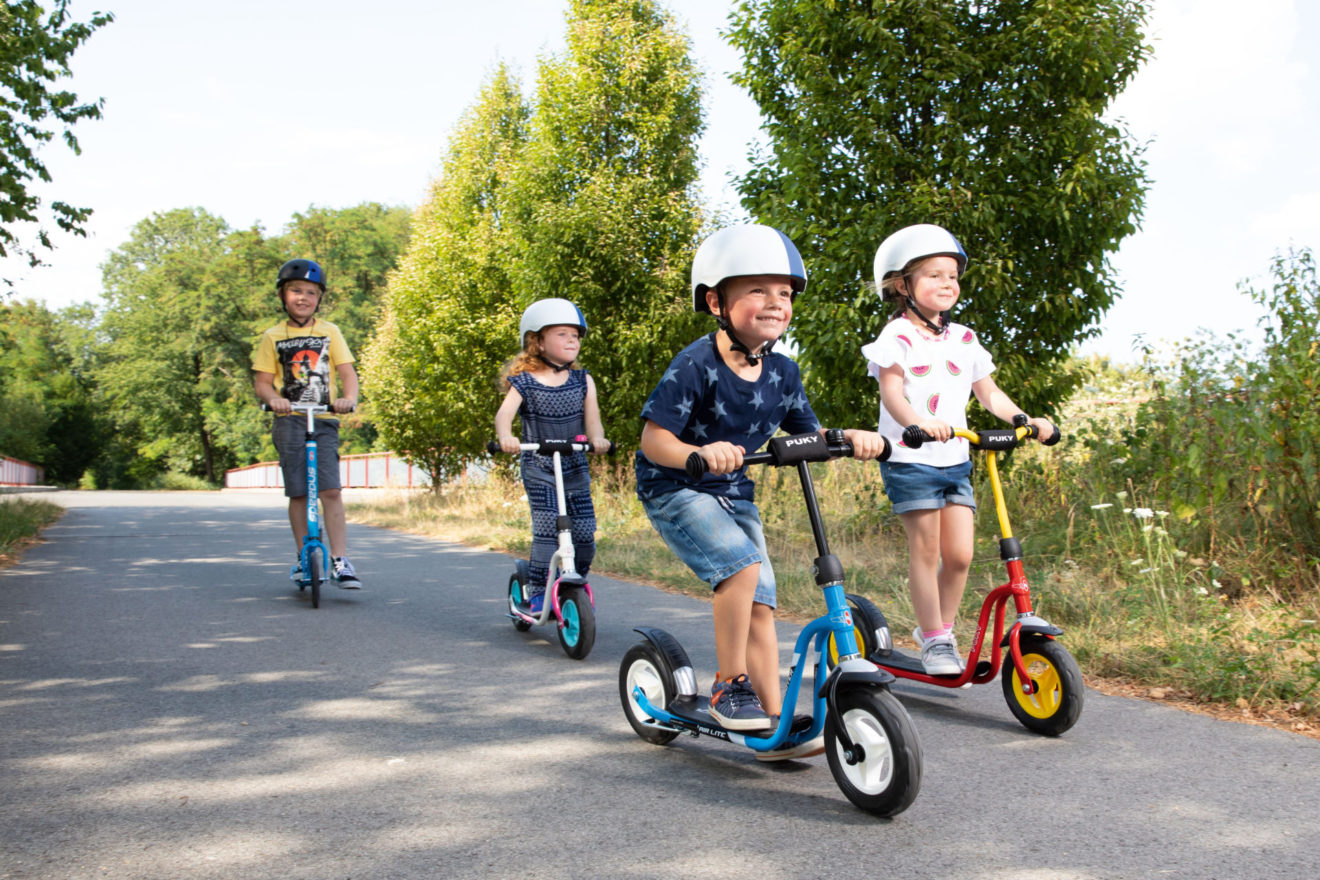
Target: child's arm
(348, 388)
(663, 447)
(1000, 405)
(591, 421)
(504, 420)
(264, 383)
(891, 395)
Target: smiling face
(757, 307)
(301, 299)
(561, 343)
(934, 284)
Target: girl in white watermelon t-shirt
(928, 367)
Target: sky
(258, 109)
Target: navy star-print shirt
(700, 400)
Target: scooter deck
(696, 711)
(897, 660)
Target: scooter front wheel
(516, 594)
(578, 630)
(882, 773)
(643, 669)
(1055, 703)
(314, 571)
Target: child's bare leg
(763, 657)
(332, 503)
(923, 534)
(956, 541)
(733, 619)
(298, 520)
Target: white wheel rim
(876, 772)
(646, 677)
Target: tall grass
(22, 518)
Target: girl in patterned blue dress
(555, 400)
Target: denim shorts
(290, 436)
(713, 535)
(911, 486)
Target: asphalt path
(171, 706)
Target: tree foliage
(35, 48)
(49, 416)
(984, 117)
(587, 195)
(430, 370)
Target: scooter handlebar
(994, 439)
(549, 447)
(305, 407)
(785, 451)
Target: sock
(927, 635)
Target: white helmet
(547, 313)
(915, 243)
(747, 249)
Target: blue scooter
(870, 743)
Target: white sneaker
(940, 657)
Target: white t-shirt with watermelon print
(937, 381)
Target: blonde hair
(526, 361)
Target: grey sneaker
(940, 657)
(735, 706)
(348, 579)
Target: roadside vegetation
(20, 520)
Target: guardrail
(370, 470)
(16, 472)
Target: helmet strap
(736, 344)
(558, 368)
(931, 325)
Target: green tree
(35, 48)
(605, 205)
(46, 391)
(983, 117)
(179, 324)
(449, 319)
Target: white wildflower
(1142, 512)
(1103, 506)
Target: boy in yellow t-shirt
(298, 361)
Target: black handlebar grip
(1054, 438)
(492, 447)
(888, 450)
(695, 465)
(913, 436)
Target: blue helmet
(300, 270)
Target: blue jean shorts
(911, 486)
(289, 434)
(713, 535)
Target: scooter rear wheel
(578, 632)
(885, 778)
(643, 668)
(1056, 701)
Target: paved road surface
(171, 707)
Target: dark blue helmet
(300, 270)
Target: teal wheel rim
(572, 623)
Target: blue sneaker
(736, 706)
(296, 573)
(536, 602)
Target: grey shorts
(290, 436)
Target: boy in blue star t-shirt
(724, 395)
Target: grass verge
(20, 521)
